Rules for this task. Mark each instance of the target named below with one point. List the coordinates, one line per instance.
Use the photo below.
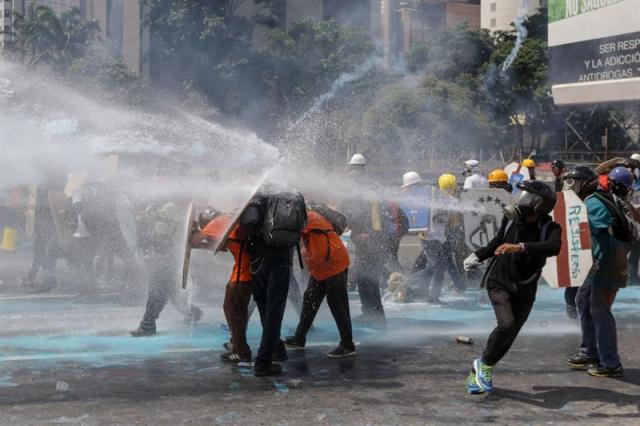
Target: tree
(301, 63)
(451, 53)
(41, 38)
(405, 121)
(521, 93)
(205, 45)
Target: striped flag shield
(571, 267)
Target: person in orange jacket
(327, 260)
(238, 291)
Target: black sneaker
(144, 331)
(294, 342)
(267, 370)
(581, 362)
(234, 358)
(342, 352)
(601, 371)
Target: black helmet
(207, 216)
(583, 173)
(537, 195)
(559, 164)
(582, 180)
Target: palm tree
(40, 37)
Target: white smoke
(522, 34)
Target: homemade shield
(242, 199)
(185, 254)
(483, 215)
(415, 203)
(571, 267)
(127, 222)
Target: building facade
(498, 15)
(405, 23)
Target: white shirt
(476, 180)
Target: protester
(583, 181)
(274, 221)
(610, 230)
(473, 178)
(530, 165)
(365, 216)
(499, 179)
(327, 260)
(527, 237)
(162, 267)
(438, 242)
(237, 295)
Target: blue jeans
(599, 335)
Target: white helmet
(635, 157)
(410, 178)
(472, 164)
(358, 160)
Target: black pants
(570, 294)
(512, 309)
(436, 259)
(163, 286)
(367, 276)
(270, 288)
(335, 288)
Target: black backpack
(285, 217)
(622, 228)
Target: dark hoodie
(509, 270)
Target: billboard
(594, 50)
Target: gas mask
(524, 207)
(571, 184)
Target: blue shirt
(608, 252)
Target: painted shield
(571, 267)
(189, 217)
(415, 202)
(58, 202)
(483, 212)
(127, 221)
(241, 201)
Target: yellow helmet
(498, 175)
(447, 182)
(528, 163)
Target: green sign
(563, 9)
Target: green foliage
(452, 52)
(406, 121)
(41, 38)
(108, 76)
(304, 61)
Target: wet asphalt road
(412, 373)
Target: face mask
(571, 184)
(518, 213)
(524, 208)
